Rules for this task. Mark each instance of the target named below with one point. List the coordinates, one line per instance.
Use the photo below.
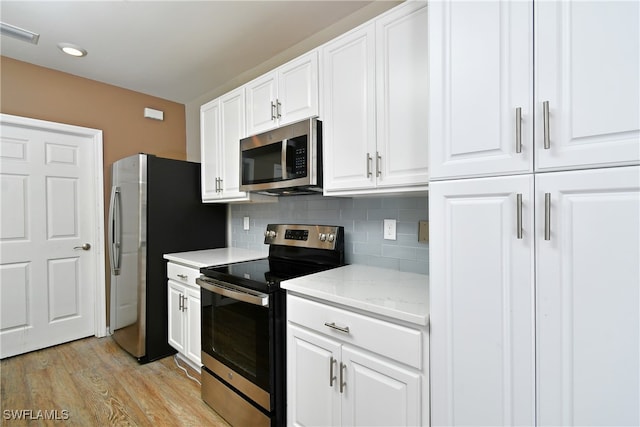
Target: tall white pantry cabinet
(534, 129)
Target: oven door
(236, 326)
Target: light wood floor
(99, 384)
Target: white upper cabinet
(375, 105)
(588, 70)
(484, 117)
(222, 126)
(285, 95)
(481, 80)
(401, 96)
(349, 121)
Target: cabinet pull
(217, 185)
(545, 121)
(342, 382)
(547, 216)
(180, 303)
(519, 215)
(519, 130)
(332, 377)
(184, 303)
(220, 182)
(369, 159)
(183, 276)
(378, 164)
(278, 109)
(333, 325)
(273, 111)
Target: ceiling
(175, 50)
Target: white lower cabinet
(184, 312)
(535, 299)
(334, 378)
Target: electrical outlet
(423, 231)
(245, 225)
(389, 232)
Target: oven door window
(237, 334)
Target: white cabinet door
(482, 302)
(378, 393)
(313, 397)
(402, 97)
(192, 319)
(209, 149)
(261, 95)
(176, 317)
(588, 70)
(232, 129)
(481, 72)
(298, 89)
(285, 95)
(588, 297)
(349, 133)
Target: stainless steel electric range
(244, 322)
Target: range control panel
(303, 235)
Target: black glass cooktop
(263, 275)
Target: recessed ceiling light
(18, 33)
(72, 49)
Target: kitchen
(372, 247)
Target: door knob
(84, 247)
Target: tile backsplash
(362, 219)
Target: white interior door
(52, 277)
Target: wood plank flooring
(99, 384)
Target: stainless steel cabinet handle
(378, 164)
(369, 159)
(333, 325)
(545, 121)
(519, 130)
(221, 186)
(184, 303)
(547, 216)
(183, 276)
(342, 382)
(84, 247)
(332, 377)
(519, 215)
(278, 109)
(273, 111)
(180, 302)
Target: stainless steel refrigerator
(155, 208)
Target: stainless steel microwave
(283, 161)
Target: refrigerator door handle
(114, 231)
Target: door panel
(481, 70)
(588, 69)
(349, 132)
(48, 284)
(378, 393)
(311, 400)
(482, 302)
(588, 298)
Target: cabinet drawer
(385, 338)
(182, 274)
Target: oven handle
(234, 292)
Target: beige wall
(41, 93)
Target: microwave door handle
(283, 159)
